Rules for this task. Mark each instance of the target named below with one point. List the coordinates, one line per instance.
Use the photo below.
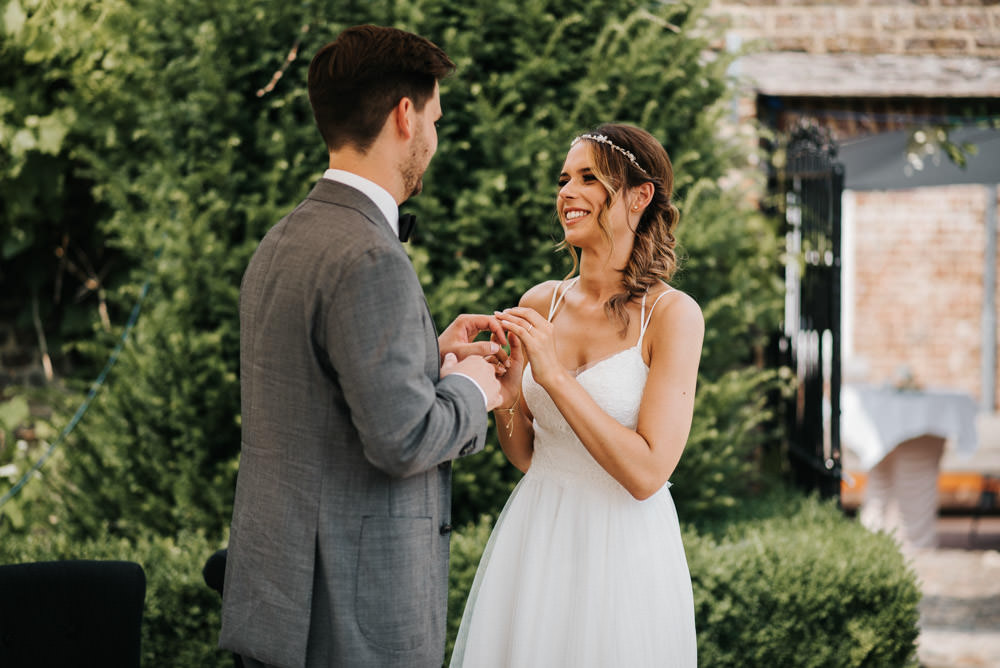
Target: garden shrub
(793, 582)
(467, 545)
(184, 167)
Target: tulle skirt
(579, 573)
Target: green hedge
(149, 143)
(788, 582)
(793, 582)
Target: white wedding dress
(577, 572)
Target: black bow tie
(406, 223)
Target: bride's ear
(641, 196)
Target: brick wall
(917, 27)
(917, 273)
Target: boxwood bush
(793, 582)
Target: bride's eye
(562, 182)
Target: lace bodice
(616, 384)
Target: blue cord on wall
(94, 387)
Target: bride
(585, 566)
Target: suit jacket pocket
(395, 569)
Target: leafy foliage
(791, 581)
(189, 167)
(53, 262)
(467, 547)
(31, 420)
(171, 134)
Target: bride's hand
(510, 371)
(534, 336)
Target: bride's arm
(643, 459)
(514, 423)
(516, 434)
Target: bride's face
(582, 198)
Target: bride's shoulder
(539, 296)
(676, 307)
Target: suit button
(445, 529)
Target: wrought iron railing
(807, 183)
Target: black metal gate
(808, 185)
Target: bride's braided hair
(653, 257)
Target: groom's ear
(402, 118)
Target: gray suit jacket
(348, 434)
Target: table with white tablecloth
(899, 436)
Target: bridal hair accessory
(601, 139)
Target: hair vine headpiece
(604, 140)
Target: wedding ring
(530, 327)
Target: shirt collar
(376, 193)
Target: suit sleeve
(376, 332)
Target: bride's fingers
(525, 332)
(513, 321)
(530, 315)
(519, 327)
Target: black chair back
(71, 613)
(214, 573)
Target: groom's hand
(479, 371)
(459, 337)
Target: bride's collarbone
(580, 342)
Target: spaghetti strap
(557, 296)
(644, 318)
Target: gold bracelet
(510, 414)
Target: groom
(338, 554)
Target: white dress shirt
(373, 191)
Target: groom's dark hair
(356, 80)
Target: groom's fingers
(482, 349)
(502, 354)
(497, 329)
(450, 360)
(477, 322)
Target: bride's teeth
(572, 215)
